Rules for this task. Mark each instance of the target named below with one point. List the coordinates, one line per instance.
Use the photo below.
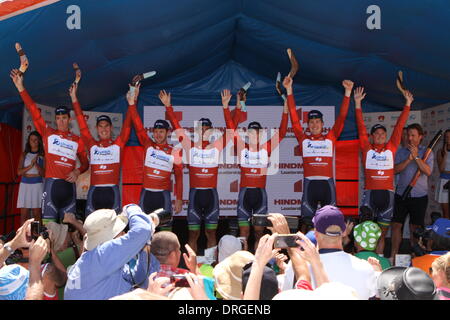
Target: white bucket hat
(103, 225)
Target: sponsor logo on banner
(381, 118)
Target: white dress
(30, 189)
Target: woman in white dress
(443, 161)
(31, 168)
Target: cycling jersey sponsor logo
(315, 148)
(158, 159)
(105, 155)
(380, 160)
(258, 159)
(204, 157)
(62, 147)
(63, 144)
(160, 156)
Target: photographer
(38, 251)
(113, 261)
(19, 241)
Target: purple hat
(329, 216)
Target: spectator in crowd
(227, 245)
(438, 235)
(401, 283)
(19, 241)
(443, 161)
(340, 266)
(13, 282)
(31, 168)
(38, 251)
(228, 275)
(166, 248)
(114, 262)
(298, 268)
(441, 276)
(366, 237)
(259, 281)
(407, 161)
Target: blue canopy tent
(199, 47)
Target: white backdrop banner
(284, 187)
(48, 114)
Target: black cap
(315, 114)
(161, 124)
(104, 117)
(61, 110)
(205, 122)
(254, 125)
(376, 127)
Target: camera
(283, 241)
(164, 216)
(422, 233)
(38, 230)
(179, 280)
(261, 220)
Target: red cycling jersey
(254, 163)
(159, 162)
(61, 148)
(105, 155)
(204, 157)
(378, 160)
(318, 150)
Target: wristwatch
(9, 249)
(416, 158)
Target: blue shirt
(105, 271)
(405, 177)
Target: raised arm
(362, 132)
(281, 132)
(122, 139)
(114, 254)
(226, 97)
(180, 132)
(296, 125)
(84, 129)
(39, 123)
(141, 133)
(339, 123)
(401, 121)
